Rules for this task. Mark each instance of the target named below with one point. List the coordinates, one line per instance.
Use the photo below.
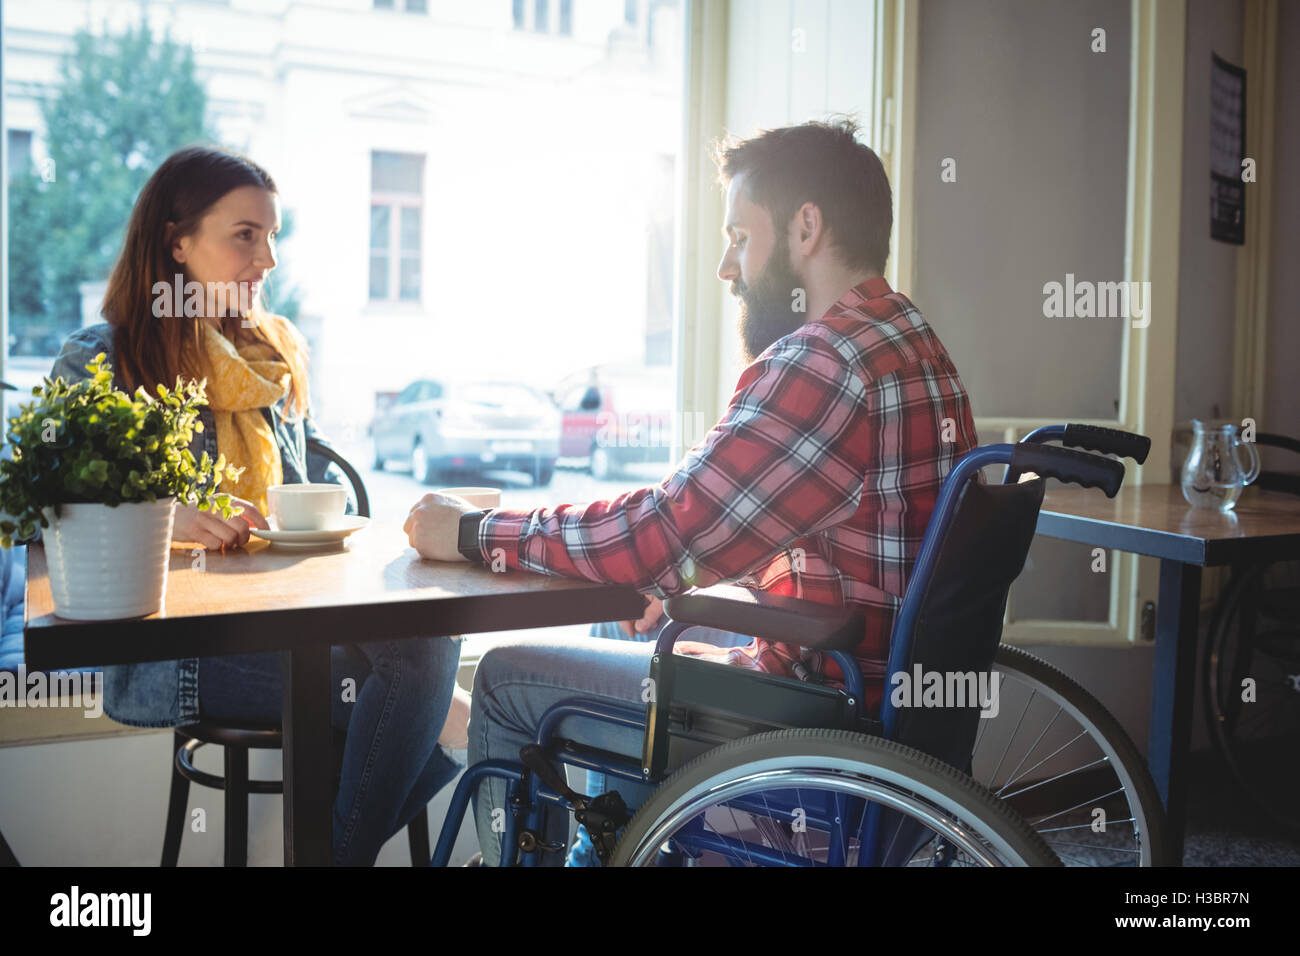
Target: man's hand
(433, 526)
(653, 612)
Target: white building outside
(529, 171)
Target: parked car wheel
(602, 467)
(421, 470)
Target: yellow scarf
(241, 382)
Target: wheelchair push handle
(1076, 467)
(1108, 441)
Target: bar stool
(238, 739)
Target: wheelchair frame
(842, 709)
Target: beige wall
(1038, 126)
(1121, 679)
(1207, 276)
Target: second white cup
(479, 497)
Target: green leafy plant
(90, 442)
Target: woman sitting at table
(209, 216)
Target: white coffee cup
(479, 497)
(307, 506)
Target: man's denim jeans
(392, 763)
(518, 682)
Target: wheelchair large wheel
(815, 797)
(1063, 762)
(1253, 651)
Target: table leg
(308, 761)
(1172, 689)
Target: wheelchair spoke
(1034, 746)
(1081, 826)
(738, 830)
(1081, 734)
(777, 827)
(898, 828)
(841, 823)
(1092, 802)
(1012, 737)
(1052, 779)
(803, 837)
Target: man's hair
(824, 164)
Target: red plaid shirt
(817, 483)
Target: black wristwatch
(467, 539)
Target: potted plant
(101, 472)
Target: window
(20, 152)
(541, 16)
(396, 225)
(418, 216)
(411, 6)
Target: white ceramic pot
(107, 563)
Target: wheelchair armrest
(773, 617)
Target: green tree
(123, 104)
(28, 225)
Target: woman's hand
(211, 530)
(653, 612)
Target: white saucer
(314, 539)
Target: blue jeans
(392, 763)
(517, 682)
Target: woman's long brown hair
(151, 349)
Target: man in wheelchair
(817, 482)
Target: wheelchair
(1053, 739)
(757, 769)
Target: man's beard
(767, 307)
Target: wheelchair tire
(862, 767)
(1117, 748)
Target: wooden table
(301, 603)
(1155, 520)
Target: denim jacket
(166, 693)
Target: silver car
(446, 426)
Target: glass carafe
(1213, 476)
